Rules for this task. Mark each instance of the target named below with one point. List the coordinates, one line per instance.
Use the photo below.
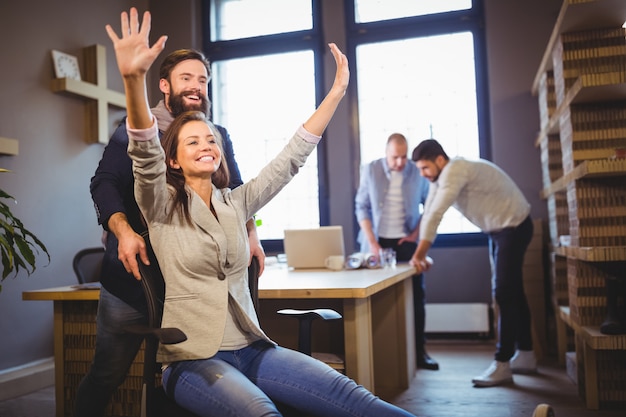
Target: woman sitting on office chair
(228, 366)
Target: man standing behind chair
(387, 209)
(184, 79)
(490, 199)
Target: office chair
(154, 401)
(305, 325)
(305, 321)
(87, 264)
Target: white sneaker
(543, 410)
(524, 362)
(498, 373)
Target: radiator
(457, 318)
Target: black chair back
(87, 264)
(253, 282)
(155, 402)
(153, 285)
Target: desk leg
(359, 351)
(394, 338)
(59, 363)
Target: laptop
(309, 248)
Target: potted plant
(18, 245)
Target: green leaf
(18, 245)
(7, 261)
(5, 195)
(25, 250)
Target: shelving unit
(581, 86)
(578, 15)
(596, 354)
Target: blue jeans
(115, 351)
(507, 249)
(246, 382)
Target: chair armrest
(323, 313)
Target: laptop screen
(309, 248)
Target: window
(419, 83)
(263, 86)
(417, 66)
(261, 113)
(236, 19)
(435, 93)
(376, 10)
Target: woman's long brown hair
(175, 177)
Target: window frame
(471, 20)
(311, 39)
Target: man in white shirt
(490, 199)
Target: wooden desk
(378, 328)
(378, 319)
(74, 344)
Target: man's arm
(112, 177)
(363, 208)
(413, 236)
(420, 260)
(130, 244)
(111, 190)
(368, 234)
(423, 189)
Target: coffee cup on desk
(335, 262)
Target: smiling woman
(197, 152)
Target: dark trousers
(404, 253)
(507, 248)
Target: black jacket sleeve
(112, 184)
(229, 153)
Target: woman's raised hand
(132, 50)
(316, 124)
(342, 75)
(134, 57)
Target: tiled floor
(447, 392)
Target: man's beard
(436, 176)
(177, 104)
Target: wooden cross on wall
(94, 88)
(9, 146)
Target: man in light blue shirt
(387, 207)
